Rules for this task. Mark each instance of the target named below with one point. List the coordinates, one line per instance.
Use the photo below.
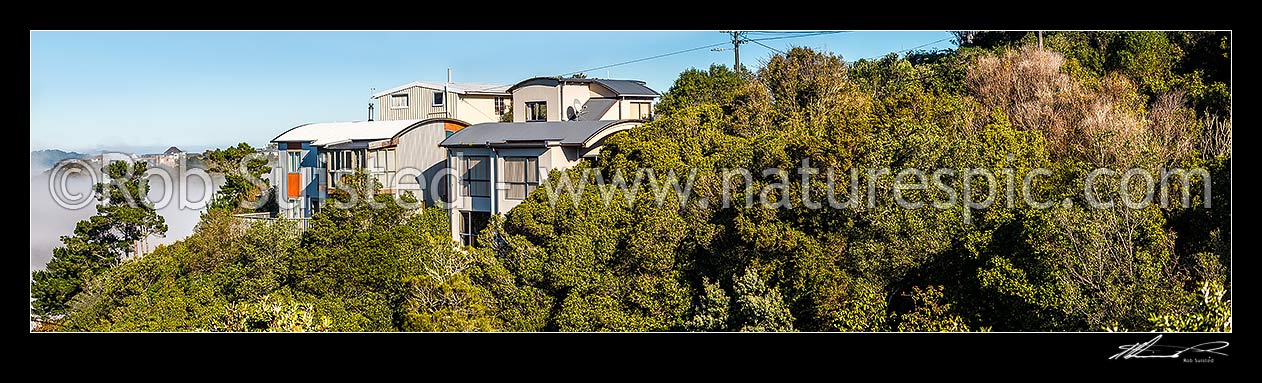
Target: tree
(124, 218)
(711, 309)
(696, 87)
(930, 314)
(760, 307)
(242, 166)
(601, 258)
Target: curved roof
(570, 133)
(324, 133)
(618, 87)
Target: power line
(768, 47)
(738, 41)
(801, 35)
(646, 58)
(909, 49)
(785, 32)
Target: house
(557, 122)
(403, 155)
(581, 99)
(496, 165)
(472, 102)
(171, 158)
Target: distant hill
(45, 159)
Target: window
(536, 111)
(499, 106)
(384, 159)
(398, 101)
(295, 161)
(522, 176)
(475, 179)
(641, 110)
(383, 166)
(471, 223)
(438, 99)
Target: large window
(641, 110)
(398, 101)
(295, 161)
(536, 111)
(438, 98)
(499, 105)
(522, 176)
(475, 176)
(471, 223)
(384, 160)
(383, 164)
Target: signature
(1151, 349)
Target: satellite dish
(575, 109)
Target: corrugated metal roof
(595, 108)
(498, 133)
(627, 87)
(332, 132)
(454, 87)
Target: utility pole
(736, 48)
(1040, 39)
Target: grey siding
(420, 105)
(419, 149)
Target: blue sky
(145, 91)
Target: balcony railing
(302, 223)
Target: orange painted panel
(295, 187)
(451, 126)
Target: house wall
(554, 157)
(622, 109)
(574, 97)
(477, 108)
(419, 160)
(310, 180)
(539, 92)
(598, 90)
(420, 105)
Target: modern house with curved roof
(402, 154)
(496, 165)
(474, 166)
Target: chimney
(370, 91)
(448, 75)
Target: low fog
(49, 221)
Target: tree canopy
(1124, 100)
